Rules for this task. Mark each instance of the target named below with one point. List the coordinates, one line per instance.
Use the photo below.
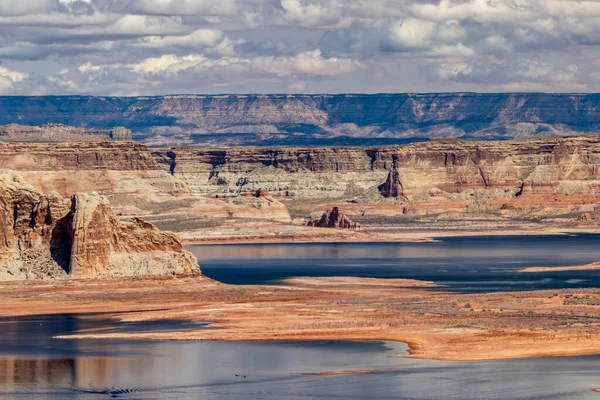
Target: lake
(462, 264)
(35, 366)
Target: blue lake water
(463, 264)
(34, 365)
(146, 370)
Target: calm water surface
(464, 264)
(35, 366)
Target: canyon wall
(48, 236)
(128, 175)
(301, 119)
(439, 175)
(125, 172)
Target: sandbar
(434, 324)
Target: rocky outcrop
(310, 119)
(257, 205)
(47, 236)
(60, 133)
(333, 218)
(585, 217)
(392, 187)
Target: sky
(156, 47)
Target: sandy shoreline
(378, 237)
(350, 281)
(435, 325)
(587, 267)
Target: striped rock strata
(48, 236)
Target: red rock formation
(49, 236)
(585, 217)
(334, 218)
(393, 185)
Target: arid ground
(435, 324)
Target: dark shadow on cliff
(61, 242)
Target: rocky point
(48, 236)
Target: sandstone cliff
(125, 172)
(48, 236)
(554, 174)
(306, 119)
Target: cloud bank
(139, 47)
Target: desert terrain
(92, 210)
(435, 324)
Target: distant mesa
(61, 133)
(339, 119)
(334, 218)
(47, 236)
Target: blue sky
(146, 47)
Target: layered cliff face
(48, 236)
(60, 133)
(436, 176)
(302, 119)
(124, 171)
(129, 176)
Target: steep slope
(244, 119)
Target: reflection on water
(148, 370)
(468, 264)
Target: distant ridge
(316, 118)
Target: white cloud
(412, 33)
(450, 71)
(25, 7)
(310, 63)
(8, 78)
(183, 7)
(297, 87)
(458, 43)
(167, 63)
(200, 37)
(446, 50)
